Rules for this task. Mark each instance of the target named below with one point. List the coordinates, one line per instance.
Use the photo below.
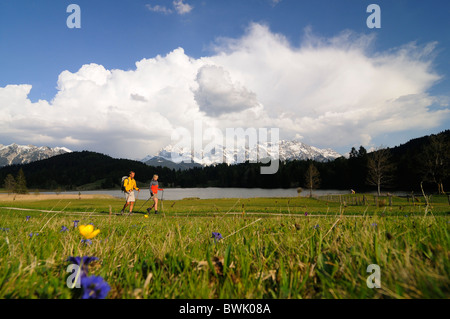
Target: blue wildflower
(75, 223)
(63, 229)
(216, 236)
(94, 287)
(374, 225)
(33, 234)
(316, 226)
(86, 241)
(28, 218)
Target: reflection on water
(213, 192)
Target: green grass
(289, 205)
(262, 256)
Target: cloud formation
(179, 7)
(217, 94)
(159, 9)
(331, 92)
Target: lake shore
(37, 197)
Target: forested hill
(71, 170)
(407, 166)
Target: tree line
(17, 185)
(424, 160)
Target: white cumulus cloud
(181, 7)
(331, 92)
(217, 94)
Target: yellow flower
(146, 216)
(88, 232)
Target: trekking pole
(162, 203)
(139, 210)
(145, 201)
(137, 197)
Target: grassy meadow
(271, 248)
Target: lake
(214, 192)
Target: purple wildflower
(316, 226)
(374, 225)
(4, 229)
(75, 223)
(33, 234)
(306, 214)
(28, 218)
(216, 236)
(86, 241)
(63, 229)
(94, 287)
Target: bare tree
(436, 161)
(379, 168)
(312, 178)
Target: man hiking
(154, 188)
(130, 186)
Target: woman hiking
(130, 186)
(154, 188)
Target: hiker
(154, 188)
(130, 186)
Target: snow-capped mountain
(288, 150)
(23, 154)
(295, 150)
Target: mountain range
(409, 166)
(288, 151)
(23, 154)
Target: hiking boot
(156, 212)
(121, 212)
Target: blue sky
(36, 47)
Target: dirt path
(33, 197)
(52, 211)
(181, 214)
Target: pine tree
(21, 183)
(10, 183)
